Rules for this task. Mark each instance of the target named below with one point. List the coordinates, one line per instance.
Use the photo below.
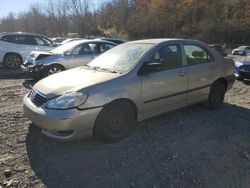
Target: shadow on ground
(191, 147)
(11, 74)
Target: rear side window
(19, 39)
(105, 46)
(196, 55)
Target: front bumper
(33, 71)
(241, 74)
(64, 125)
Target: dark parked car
(242, 68)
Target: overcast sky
(17, 6)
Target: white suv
(16, 46)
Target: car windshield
(65, 47)
(121, 58)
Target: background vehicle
(117, 41)
(68, 40)
(219, 49)
(67, 56)
(242, 68)
(242, 50)
(131, 82)
(16, 46)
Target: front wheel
(216, 95)
(52, 69)
(115, 122)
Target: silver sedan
(129, 83)
(67, 56)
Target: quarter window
(168, 56)
(196, 55)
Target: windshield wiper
(108, 69)
(101, 68)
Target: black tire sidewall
(216, 87)
(46, 70)
(103, 119)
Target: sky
(17, 6)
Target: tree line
(213, 21)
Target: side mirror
(67, 53)
(150, 67)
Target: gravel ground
(191, 147)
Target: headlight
(67, 101)
(39, 62)
(238, 63)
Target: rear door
(165, 88)
(201, 69)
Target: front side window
(168, 56)
(196, 55)
(41, 41)
(85, 49)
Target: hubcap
(118, 122)
(54, 70)
(13, 62)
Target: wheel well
(56, 64)
(223, 81)
(9, 53)
(130, 102)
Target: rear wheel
(115, 122)
(216, 95)
(52, 69)
(13, 61)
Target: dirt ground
(191, 147)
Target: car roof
(160, 40)
(76, 42)
(20, 33)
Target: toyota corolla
(129, 83)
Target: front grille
(245, 67)
(37, 98)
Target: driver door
(80, 55)
(164, 88)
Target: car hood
(238, 49)
(72, 80)
(40, 54)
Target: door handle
(182, 73)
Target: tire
(13, 61)
(115, 122)
(52, 69)
(239, 78)
(216, 95)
